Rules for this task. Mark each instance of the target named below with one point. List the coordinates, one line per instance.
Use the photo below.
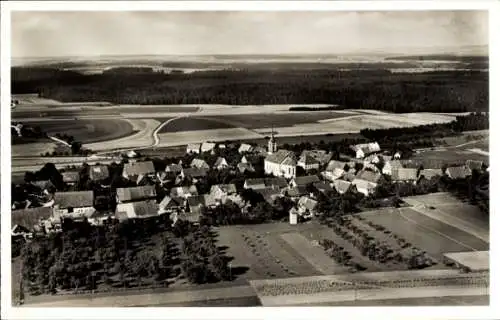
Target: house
(389, 166)
(322, 187)
(71, 177)
(207, 146)
(404, 174)
(244, 159)
(293, 215)
(244, 148)
(307, 207)
(98, 173)
(430, 173)
(460, 172)
(256, 184)
(397, 155)
(307, 162)
(135, 194)
(370, 176)
(165, 177)
(269, 194)
(136, 171)
(333, 175)
(294, 192)
(221, 146)
(220, 192)
(136, 210)
(31, 218)
(362, 150)
(281, 163)
(74, 204)
(170, 205)
(184, 192)
(98, 218)
(304, 180)
(335, 164)
(242, 167)
(193, 173)
(342, 186)
(319, 155)
(220, 163)
(196, 203)
(373, 159)
(474, 164)
(175, 168)
(262, 183)
(364, 186)
(193, 148)
(200, 164)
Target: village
(175, 191)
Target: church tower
(271, 145)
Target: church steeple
(271, 145)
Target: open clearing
(183, 138)
(143, 137)
(32, 149)
(194, 124)
(264, 252)
(88, 131)
(431, 235)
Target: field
(264, 253)
(198, 136)
(194, 124)
(88, 131)
(425, 233)
(481, 300)
(32, 149)
(144, 129)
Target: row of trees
(456, 91)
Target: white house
(341, 186)
(200, 164)
(391, 165)
(207, 146)
(193, 148)
(221, 163)
(281, 164)
(364, 149)
(365, 187)
(333, 175)
(308, 162)
(75, 204)
(136, 171)
(244, 147)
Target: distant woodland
(443, 91)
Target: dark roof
(169, 202)
(194, 172)
(43, 184)
(75, 199)
(280, 156)
(322, 186)
(173, 168)
(242, 167)
(335, 164)
(305, 180)
(458, 172)
(254, 182)
(195, 201)
(30, 217)
(277, 181)
(99, 172)
(269, 194)
(369, 176)
(429, 173)
(138, 168)
(295, 191)
(136, 193)
(71, 176)
(308, 159)
(320, 155)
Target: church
(279, 163)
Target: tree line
(451, 91)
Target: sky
(84, 33)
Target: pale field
(32, 149)
(186, 137)
(144, 137)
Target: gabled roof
(199, 163)
(194, 172)
(269, 194)
(322, 186)
(308, 203)
(474, 164)
(429, 173)
(369, 176)
(308, 160)
(336, 173)
(71, 176)
(458, 172)
(363, 184)
(207, 146)
(341, 185)
(256, 182)
(305, 180)
(393, 164)
(168, 202)
(335, 164)
(295, 191)
(225, 188)
(75, 199)
(30, 217)
(244, 147)
(140, 209)
(220, 161)
(279, 182)
(198, 200)
(176, 168)
(193, 147)
(242, 167)
(280, 156)
(98, 172)
(290, 161)
(183, 191)
(320, 155)
(404, 174)
(135, 193)
(138, 168)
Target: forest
(443, 91)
